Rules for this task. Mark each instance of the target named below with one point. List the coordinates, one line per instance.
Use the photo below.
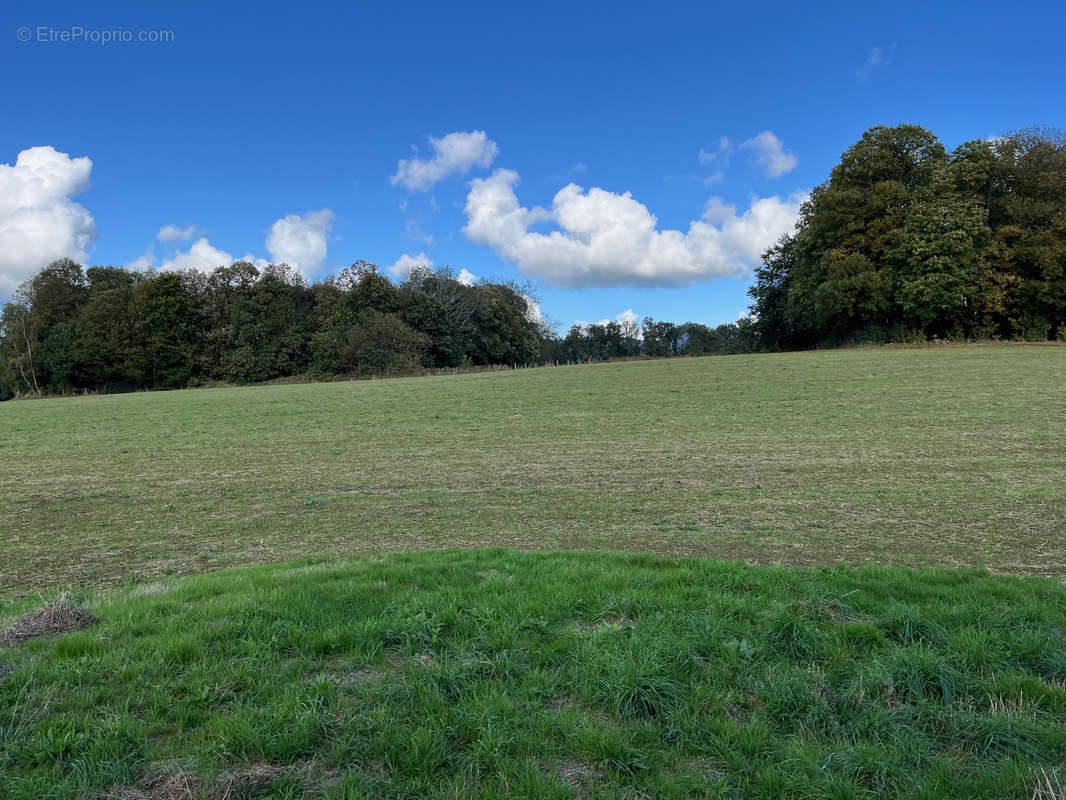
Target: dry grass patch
(352, 678)
(149, 589)
(574, 774)
(177, 785)
(57, 617)
(1048, 787)
(238, 783)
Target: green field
(936, 455)
(501, 674)
(362, 669)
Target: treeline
(653, 339)
(71, 329)
(906, 242)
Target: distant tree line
(906, 242)
(653, 339)
(71, 329)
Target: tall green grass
(505, 674)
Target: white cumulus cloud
(628, 319)
(608, 239)
(38, 220)
(466, 277)
(201, 255)
(533, 314)
(770, 154)
(630, 322)
(454, 154)
(405, 263)
(142, 263)
(300, 241)
(172, 233)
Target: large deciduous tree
(905, 241)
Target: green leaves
(905, 240)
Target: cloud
(300, 241)
(172, 233)
(771, 154)
(877, 57)
(606, 239)
(630, 322)
(455, 154)
(466, 277)
(405, 263)
(719, 156)
(142, 263)
(201, 255)
(628, 319)
(722, 151)
(578, 168)
(533, 314)
(38, 221)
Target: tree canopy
(906, 241)
(110, 329)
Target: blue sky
(269, 130)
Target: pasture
(954, 456)
(409, 648)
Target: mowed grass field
(466, 670)
(947, 455)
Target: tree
(776, 328)
(905, 241)
(381, 344)
(20, 348)
(1027, 213)
(661, 338)
(270, 330)
(936, 256)
(104, 352)
(167, 330)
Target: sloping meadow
(502, 674)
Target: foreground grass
(498, 673)
(951, 455)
